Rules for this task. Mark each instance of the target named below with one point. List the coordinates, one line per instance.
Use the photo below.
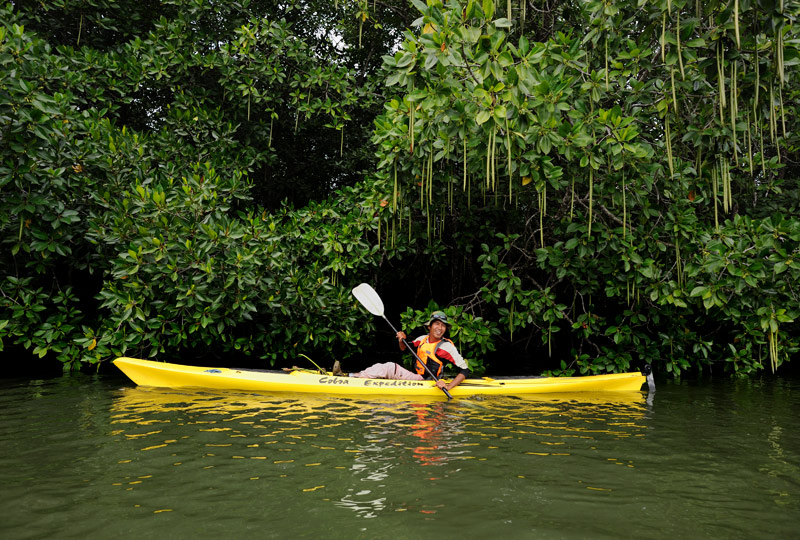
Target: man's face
(438, 328)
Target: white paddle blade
(369, 299)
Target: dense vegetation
(585, 186)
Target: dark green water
(99, 458)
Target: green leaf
(699, 291)
(544, 145)
(421, 6)
(406, 60)
(488, 9)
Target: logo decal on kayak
(370, 382)
(333, 380)
(388, 382)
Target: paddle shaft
(435, 378)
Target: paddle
(370, 300)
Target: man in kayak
(434, 349)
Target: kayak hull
(166, 375)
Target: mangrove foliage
(584, 186)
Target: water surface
(84, 457)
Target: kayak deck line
(167, 375)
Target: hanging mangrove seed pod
(721, 79)
(572, 200)
(757, 83)
(624, 207)
(668, 137)
(394, 189)
(783, 116)
(680, 52)
(749, 144)
(734, 106)
(541, 211)
(508, 147)
(674, 94)
(591, 200)
(606, 61)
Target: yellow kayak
(165, 375)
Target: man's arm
(455, 382)
(448, 353)
(401, 336)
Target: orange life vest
(427, 353)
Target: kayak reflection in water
(428, 428)
(432, 348)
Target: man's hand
(441, 384)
